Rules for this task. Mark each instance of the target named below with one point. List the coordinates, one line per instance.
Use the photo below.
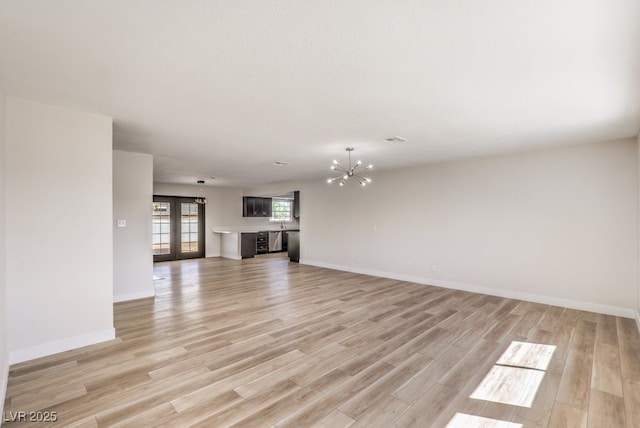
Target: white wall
(4, 353)
(132, 252)
(59, 216)
(557, 226)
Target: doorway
(178, 228)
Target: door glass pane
(161, 227)
(189, 227)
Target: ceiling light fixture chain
(350, 171)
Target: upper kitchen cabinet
(253, 206)
(296, 204)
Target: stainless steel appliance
(275, 241)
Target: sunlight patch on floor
(517, 375)
(462, 420)
(527, 355)
(509, 385)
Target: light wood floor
(264, 342)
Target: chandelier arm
(360, 180)
(338, 167)
(362, 177)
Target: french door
(178, 228)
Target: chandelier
(200, 200)
(350, 171)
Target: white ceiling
(225, 88)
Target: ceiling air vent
(395, 140)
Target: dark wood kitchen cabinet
(248, 245)
(253, 206)
(296, 204)
(294, 246)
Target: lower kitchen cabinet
(294, 246)
(248, 245)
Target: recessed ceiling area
(229, 88)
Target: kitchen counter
(253, 230)
(231, 239)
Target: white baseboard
(231, 256)
(57, 346)
(536, 298)
(134, 296)
(638, 320)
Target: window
(161, 228)
(281, 209)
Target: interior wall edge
(638, 232)
(4, 380)
(67, 344)
(473, 288)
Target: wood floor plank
(462, 403)
(606, 375)
(369, 398)
(632, 403)
(427, 408)
(245, 408)
(607, 331)
(290, 403)
(383, 414)
(606, 410)
(564, 416)
(629, 343)
(336, 419)
(575, 384)
(265, 342)
(415, 387)
(325, 404)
